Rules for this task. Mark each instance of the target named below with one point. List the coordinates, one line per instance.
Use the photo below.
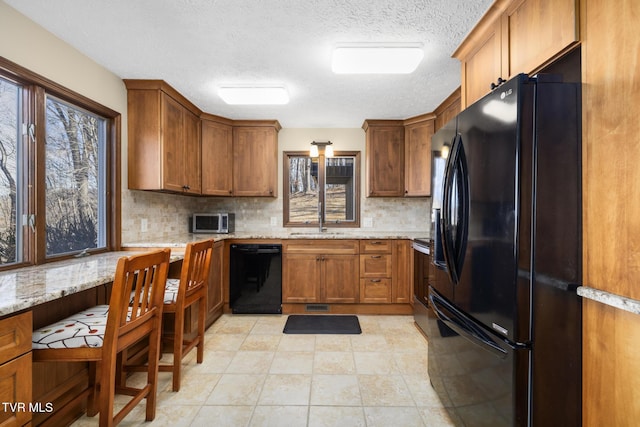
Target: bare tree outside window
(9, 127)
(74, 179)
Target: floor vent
(318, 307)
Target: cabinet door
(217, 159)
(376, 265)
(538, 30)
(418, 159)
(482, 66)
(340, 279)
(375, 290)
(173, 144)
(385, 160)
(215, 295)
(402, 272)
(15, 387)
(301, 278)
(191, 152)
(255, 165)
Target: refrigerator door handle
(455, 203)
(465, 327)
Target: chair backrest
(195, 268)
(131, 318)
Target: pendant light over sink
(327, 149)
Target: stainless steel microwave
(212, 223)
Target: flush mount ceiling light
(254, 95)
(388, 58)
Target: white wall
(29, 45)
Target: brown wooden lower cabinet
(319, 278)
(610, 366)
(215, 300)
(359, 276)
(15, 370)
(320, 271)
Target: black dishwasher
(255, 282)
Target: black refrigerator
(505, 322)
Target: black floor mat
(322, 324)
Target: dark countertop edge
(613, 300)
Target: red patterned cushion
(171, 291)
(83, 329)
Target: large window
(75, 179)
(321, 189)
(58, 171)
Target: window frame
(35, 89)
(321, 189)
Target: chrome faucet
(320, 228)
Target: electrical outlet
(274, 221)
(144, 225)
(367, 222)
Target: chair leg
(177, 349)
(94, 398)
(202, 319)
(152, 372)
(107, 391)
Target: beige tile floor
(254, 375)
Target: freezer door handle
(465, 327)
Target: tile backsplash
(168, 214)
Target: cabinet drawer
(15, 387)
(320, 246)
(376, 265)
(375, 246)
(375, 290)
(15, 336)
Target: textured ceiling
(197, 45)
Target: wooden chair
(180, 294)
(98, 334)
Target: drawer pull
(376, 256)
(376, 280)
(376, 243)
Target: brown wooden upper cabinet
(217, 156)
(384, 164)
(515, 36)
(255, 158)
(239, 158)
(164, 138)
(417, 166)
(398, 156)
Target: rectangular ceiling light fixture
(254, 95)
(369, 58)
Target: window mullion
(37, 175)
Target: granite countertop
(27, 287)
(181, 239)
(608, 298)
